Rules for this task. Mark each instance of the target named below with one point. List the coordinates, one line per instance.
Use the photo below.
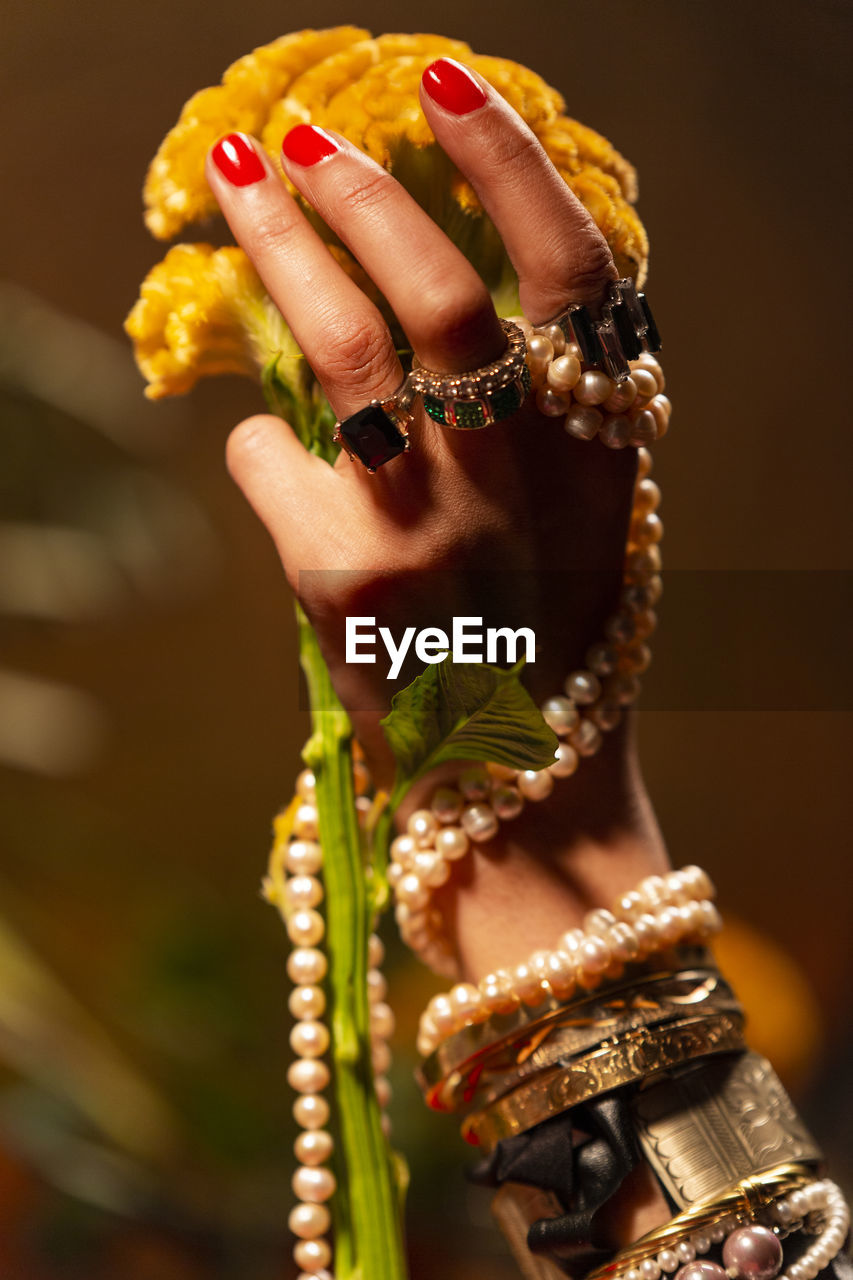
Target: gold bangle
(634, 1057)
(744, 1201)
(454, 1083)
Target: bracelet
(662, 912)
(592, 704)
(484, 1061)
(610, 1066)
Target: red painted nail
(452, 86)
(238, 161)
(306, 144)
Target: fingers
(438, 297)
(557, 250)
(340, 331)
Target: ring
(626, 329)
(380, 431)
(478, 397)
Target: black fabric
(583, 1174)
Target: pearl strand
(663, 912)
(824, 1198)
(298, 897)
(633, 412)
(592, 704)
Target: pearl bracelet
(632, 412)
(592, 704)
(294, 887)
(663, 912)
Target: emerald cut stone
(373, 436)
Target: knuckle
(360, 355)
(270, 234)
(457, 318)
(372, 189)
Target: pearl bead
(621, 398)
(649, 1269)
(403, 849)
(314, 1147)
(551, 402)
(599, 921)
(645, 382)
(479, 822)
(583, 422)
(422, 826)
(616, 431)
(498, 995)
(468, 1003)
(594, 958)
(669, 926)
(442, 1013)
(668, 1260)
(412, 892)
(507, 802)
(647, 528)
(306, 785)
(607, 714)
(527, 985)
(430, 867)
(305, 822)
(701, 1242)
(312, 1256)
(700, 1271)
(560, 714)
(644, 427)
(380, 1054)
(313, 1184)
(311, 1112)
(563, 373)
(308, 1075)
(307, 1002)
(447, 804)
(395, 873)
(306, 966)
(559, 974)
(620, 627)
(623, 942)
(381, 1020)
(540, 352)
(377, 987)
(308, 1221)
(753, 1252)
(309, 1039)
(565, 761)
(624, 688)
(586, 739)
(303, 891)
(583, 687)
(661, 408)
(475, 784)
(593, 387)
(685, 1251)
(303, 857)
(451, 843)
(632, 1274)
(524, 325)
(305, 928)
(644, 463)
(645, 360)
(556, 337)
(383, 1091)
(697, 882)
(601, 659)
(645, 623)
(647, 497)
(535, 784)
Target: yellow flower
(367, 89)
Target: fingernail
(452, 86)
(306, 145)
(237, 160)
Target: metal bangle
(626, 328)
(632, 1058)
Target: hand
(511, 509)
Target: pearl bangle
(591, 704)
(632, 412)
(663, 912)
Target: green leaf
(465, 711)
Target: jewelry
(293, 886)
(483, 1061)
(663, 912)
(378, 432)
(701, 1131)
(481, 396)
(626, 328)
(786, 1198)
(592, 704)
(635, 1056)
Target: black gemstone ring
(481, 396)
(626, 328)
(380, 431)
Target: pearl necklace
(295, 888)
(591, 705)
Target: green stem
(369, 1243)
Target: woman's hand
(506, 513)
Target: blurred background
(150, 720)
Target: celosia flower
(367, 90)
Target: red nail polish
(306, 144)
(238, 161)
(452, 86)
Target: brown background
(735, 117)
